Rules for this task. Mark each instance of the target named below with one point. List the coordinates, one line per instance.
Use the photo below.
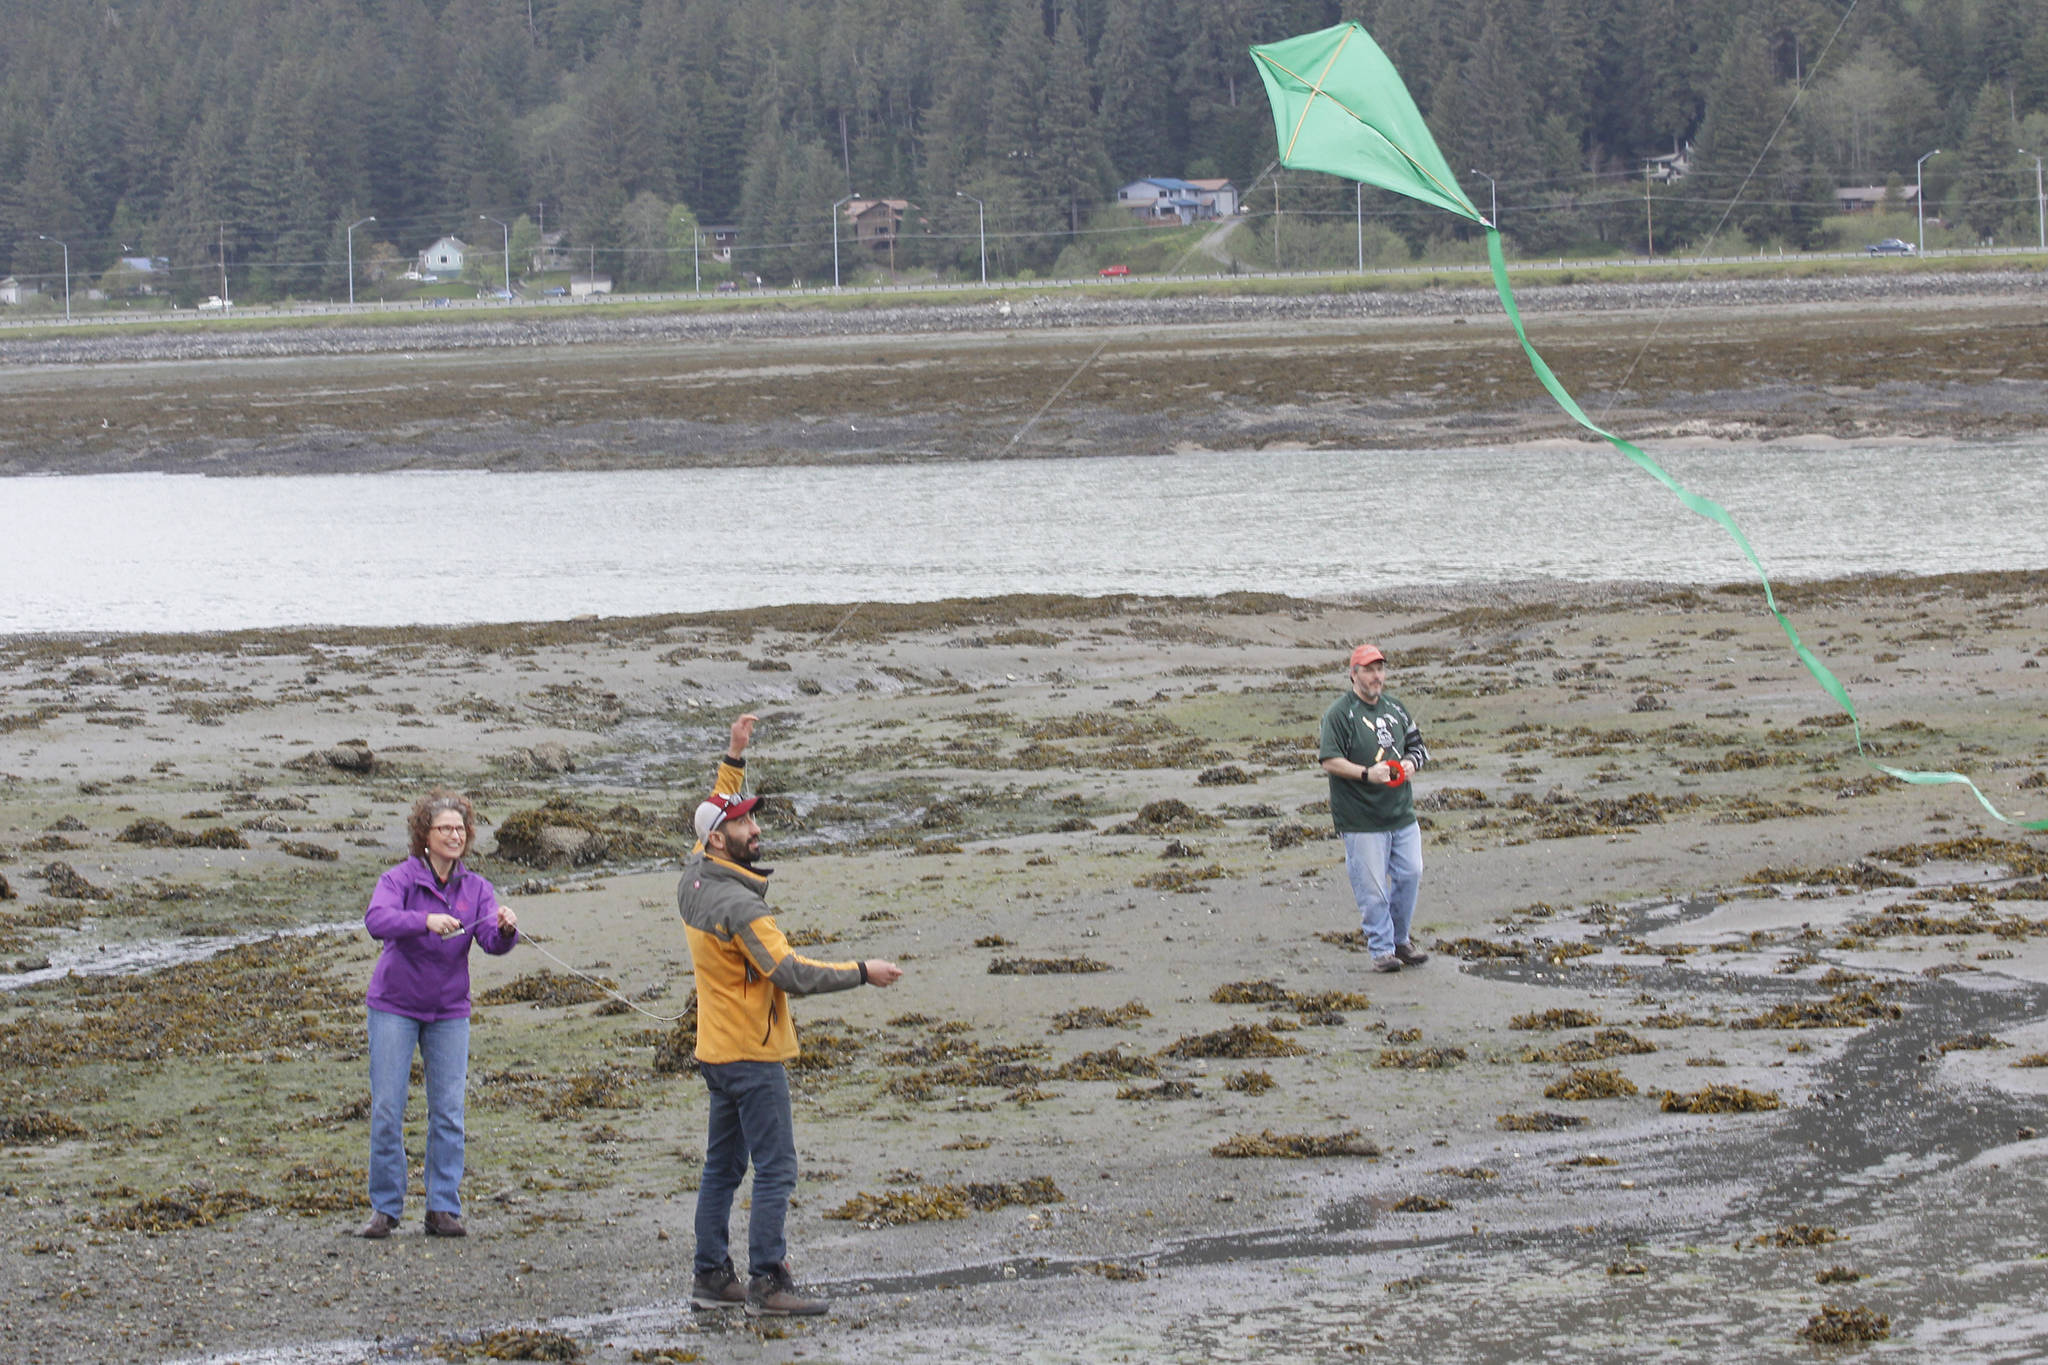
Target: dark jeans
(749, 1119)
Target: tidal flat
(1724, 1036)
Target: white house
(1665, 170)
(1163, 198)
(13, 290)
(444, 257)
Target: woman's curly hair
(435, 803)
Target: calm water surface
(158, 552)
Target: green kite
(1340, 107)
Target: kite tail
(1713, 511)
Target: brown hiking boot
(444, 1224)
(1389, 963)
(774, 1295)
(1409, 957)
(720, 1288)
(378, 1228)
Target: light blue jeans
(444, 1054)
(749, 1121)
(1386, 873)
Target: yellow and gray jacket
(745, 968)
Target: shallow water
(183, 552)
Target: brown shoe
(379, 1227)
(1409, 957)
(774, 1295)
(441, 1224)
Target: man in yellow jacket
(746, 972)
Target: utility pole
(1276, 221)
(223, 267)
(1649, 228)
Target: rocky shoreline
(1721, 1029)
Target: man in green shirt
(1371, 746)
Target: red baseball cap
(721, 808)
(1366, 654)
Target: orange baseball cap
(1366, 654)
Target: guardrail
(292, 310)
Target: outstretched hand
(882, 973)
(742, 735)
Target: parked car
(554, 292)
(728, 287)
(214, 303)
(1114, 272)
(412, 275)
(1890, 246)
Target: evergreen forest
(274, 141)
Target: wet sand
(1960, 357)
(1642, 812)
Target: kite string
(1671, 303)
(530, 941)
(1082, 368)
(1713, 511)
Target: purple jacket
(420, 974)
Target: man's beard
(743, 852)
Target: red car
(1114, 272)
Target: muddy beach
(1862, 358)
(1723, 1037)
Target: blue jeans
(749, 1119)
(444, 1053)
(1386, 873)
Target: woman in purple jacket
(425, 912)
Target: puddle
(150, 954)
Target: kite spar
(1340, 107)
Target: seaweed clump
(1249, 1082)
(1720, 1099)
(37, 1126)
(1973, 1042)
(943, 1203)
(1848, 1009)
(1169, 816)
(153, 833)
(515, 1343)
(1296, 1146)
(1799, 1235)
(545, 989)
(1608, 1042)
(1833, 1326)
(1239, 1040)
(1045, 966)
(195, 1206)
(1539, 1122)
(1094, 1016)
(1422, 1203)
(1555, 1019)
(1419, 1059)
(1165, 1090)
(1604, 1083)
(1110, 1064)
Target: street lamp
(351, 235)
(1358, 205)
(485, 217)
(982, 220)
(1493, 199)
(2040, 201)
(835, 236)
(67, 273)
(1920, 200)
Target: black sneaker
(774, 1295)
(719, 1288)
(1409, 957)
